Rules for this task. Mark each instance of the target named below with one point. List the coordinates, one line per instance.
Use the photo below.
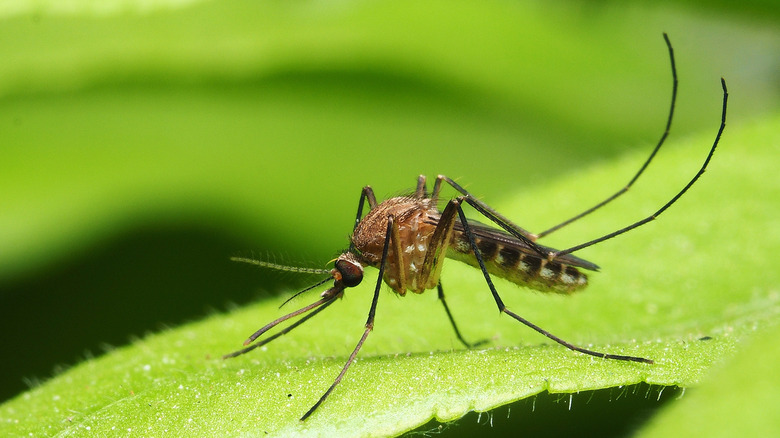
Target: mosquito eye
(351, 273)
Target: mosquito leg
(341, 374)
(422, 191)
(646, 163)
(367, 194)
(452, 321)
(395, 263)
(502, 307)
(675, 198)
(430, 271)
(524, 235)
(369, 322)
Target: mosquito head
(348, 272)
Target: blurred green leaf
(260, 113)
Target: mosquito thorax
(348, 271)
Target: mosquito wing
(487, 233)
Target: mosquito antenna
(279, 267)
(288, 268)
(646, 163)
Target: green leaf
(745, 385)
(663, 289)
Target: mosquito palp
(317, 309)
(407, 238)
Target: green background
(143, 146)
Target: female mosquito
(408, 237)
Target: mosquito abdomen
(522, 268)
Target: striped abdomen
(520, 266)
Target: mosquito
(407, 238)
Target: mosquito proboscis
(408, 237)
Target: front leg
(367, 194)
(369, 326)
